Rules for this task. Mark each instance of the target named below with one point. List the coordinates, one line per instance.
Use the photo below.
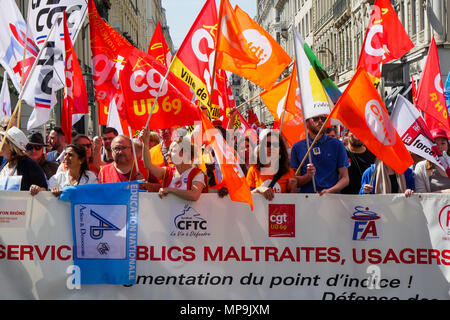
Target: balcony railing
(340, 7)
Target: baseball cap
(17, 137)
(439, 133)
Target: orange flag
(271, 56)
(158, 47)
(233, 177)
(385, 40)
(285, 94)
(231, 41)
(362, 111)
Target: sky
(181, 14)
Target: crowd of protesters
(165, 162)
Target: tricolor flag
(314, 101)
(414, 132)
(385, 40)
(105, 231)
(158, 47)
(430, 92)
(75, 102)
(362, 111)
(5, 100)
(14, 42)
(43, 14)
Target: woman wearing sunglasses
(35, 151)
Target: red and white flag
(14, 41)
(414, 132)
(75, 103)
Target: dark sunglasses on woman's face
(35, 147)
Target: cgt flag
(273, 60)
(385, 40)
(140, 81)
(158, 47)
(430, 93)
(105, 231)
(361, 110)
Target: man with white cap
(17, 163)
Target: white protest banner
(334, 247)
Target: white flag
(113, 117)
(313, 98)
(43, 14)
(5, 101)
(13, 41)
(413, 130)
(47, 78)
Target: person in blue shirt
(386, 180)
(329, 165)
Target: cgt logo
(282, 220)
(365, 227)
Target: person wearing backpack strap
(183, 179)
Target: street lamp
(326, 50)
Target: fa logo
(444, 219)
(104, 225)
(365, 226)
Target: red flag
(140, 82)
(75, 103)
(110, 51)
(362, 111)
(106, 65)
(233, 177)
(430, 93)
(414, 90)
(158, 47)
(385, 39)
(193, 62)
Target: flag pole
(25, 85)
(308, 153)
(134, 149)
(159, 92)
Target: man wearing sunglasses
(35, 151)
(329, 165)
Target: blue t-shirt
(328, 156)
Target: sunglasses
(32, 146)
(316, 119)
